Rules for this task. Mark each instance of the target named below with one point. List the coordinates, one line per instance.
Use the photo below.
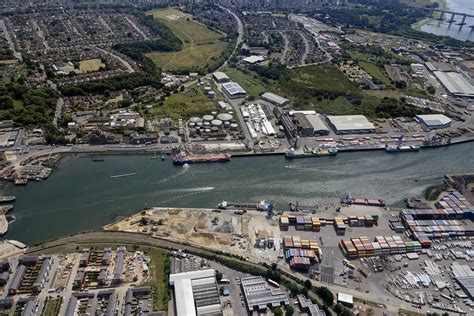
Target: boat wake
(182, 172)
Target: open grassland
(159, 279)
(90, 65)
(200, 44)
(191, 102)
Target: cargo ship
(369, 202)
(183, 158)
(306, 153)
(399, 149)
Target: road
(9, 39)
(240, 31)
(285, 49)
(306, 49)
(123, 61)
(57, 113)
(145, 37)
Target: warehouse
(305, 128)
(455, 83)
(220, 77)
(350, 124)
(233, 90)
(274, 99)
(345, 299)
(319, 128)
(196, 293)
(259, 296)
(434, 121)
(306, 305)
(465, 277)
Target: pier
(452, 14)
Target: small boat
(185, 165)
(97, 159)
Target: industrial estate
(198, 81)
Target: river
(451, 29)
(80, 194)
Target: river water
(453, 30)
(80, 195)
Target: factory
(434, 121)
(350, 124)
(259, 296)
(220, 77)
(274, 99)
(196, 293)
(233, 90)
(310, 125)
(257, 121)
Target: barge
(183, 158)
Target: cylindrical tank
(216, 123)
(207, 118)
(224, 117)
(234, 126)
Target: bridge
(453, 14)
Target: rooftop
(233, 88)
(219, 75)
(350, 122)
(455, 83)
(274, 98)
(434, 119)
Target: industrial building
(310, 125)
(350, 124)
(307, 306)
(455, 83)
(434, 121)
(233, 90)
(196, 293)
(464, 275)
(220, 77)
(274, 99)
(259, 296)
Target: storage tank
(226, 124)
(192, 125)
(207, 124)
(207, 130)
(207, 118)
(234, 126)
(216, 123)
(214, 129)
(224, 117)
(195, 119)
(214, 113)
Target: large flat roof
(233, 88)
(434, 119)
(274, 98)
(219, 75)
(350, 122)
(316, 122)
(455, 83)
(183, 292)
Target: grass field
(90, 65)
(159, 279)
(7, 62)
(200, 43)
(191, 102)
(375, 71)
(52, 306)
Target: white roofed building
(233, 90)
(350, 124)
(220, 77)
(274, 99)
(433, 121)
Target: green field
(159, 279)
(375, 71)
(191, 102)
(201, 45)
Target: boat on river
(400, 149)
(307, 153)
(182, 158)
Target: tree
(289, 310)
(6, 102)
(431, 89)
(326, 295)
(277, 311)
(307, 284)
(218, 276)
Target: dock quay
(4, 209)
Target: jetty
(123, 175)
